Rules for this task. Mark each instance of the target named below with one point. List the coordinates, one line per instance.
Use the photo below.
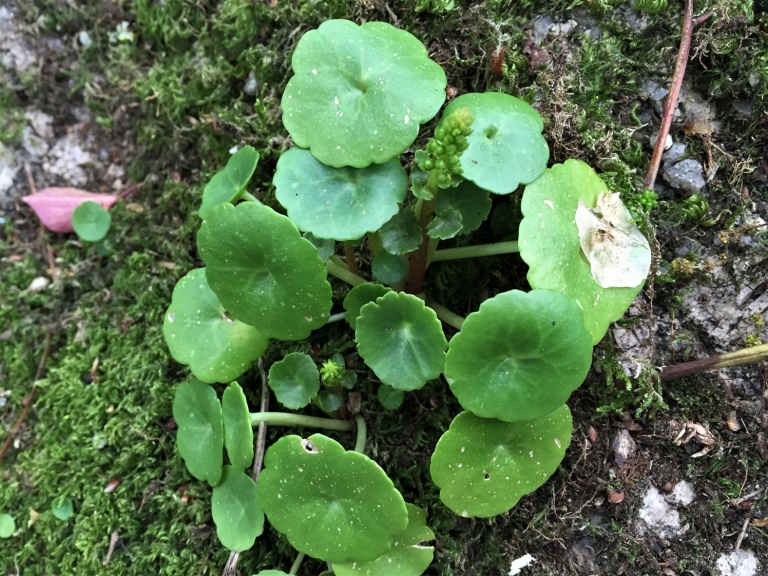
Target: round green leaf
(445, 225)
(295, 380)
(329, 402)
(402, 234)
(520, 356)
(338, 203)
(230, 182)
(483, 466)
(407, 557)
(238, 433)
(473, 203)
(549, 244)
(200, 438)
(62, 508)
(359, 93)
(333, 505)
(199, 332)
(90, 221)
(263, 272)
(7, 526)
(506, 147)
(388, 268)
(236, 511)
(325, 248)
(389, 397)
(401, 340)
(272, 573)
(358, 297)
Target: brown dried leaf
(623, 447)
(615, 496)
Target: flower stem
(450, 318)
(297, 563)
(349, 254)
(375, 242)
(476, 251)
(337, 268)
(418, 261)
(248, 197)
(286, 419)
(362, 433)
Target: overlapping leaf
(91, 221)
(520, 356)
(228, 184)
(333, 505)
(402, 234)
(338, 203)
(401, 340)
(472, 202)
(263, 272)
(295, 380)
(483, 466)
(238, 434)
(358, 297)
(359, 93)
(549, 244)
(199, 332)
(236, 511)
(506, 147)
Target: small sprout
(62, 508)
(90, 221)
(7, 526)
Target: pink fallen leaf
(54, 206)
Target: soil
(626, 466)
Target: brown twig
(27, 402)
(230, 568)
(351, 259)
(674, 94)
(418, 262)
(743, 356)
(125, 193)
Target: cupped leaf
(506, 147)
(230, 182)
(402, 234)
(520, 356)
(359, 93)
(236, 511)
(473, 203)
(295, 380)
(401, 340)
(333, 505)
(389, 397)
(7, 526)
(483, 466)
(358, 297)
(199, 332)
(418, 182)
(200, 438)
(388, 268)
(263, 272)
(407, 557)
(325, 248)
(90, 221)
(238, 433)
(549, 244)
(62, 508)
(445, 225)
(338, 203)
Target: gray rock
(687, 176)
(251, 86)
(674, 154)
(743, 107)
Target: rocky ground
(658, 480)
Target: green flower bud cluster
(648, 200)
(650, 6)
(445, 149)
(331, 371)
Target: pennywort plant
(355, 103)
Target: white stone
(737, 563)
(520, 563)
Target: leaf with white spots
(263, 272)
(359, 93)
(295, 380)
(484, 466)
(333, 505)
(549, 244)
(407, 557)
(401, 340)
(338, 203)
(199, 333)
(520, 356)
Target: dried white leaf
(520, 563)
(618, 253)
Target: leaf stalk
(286, 419)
